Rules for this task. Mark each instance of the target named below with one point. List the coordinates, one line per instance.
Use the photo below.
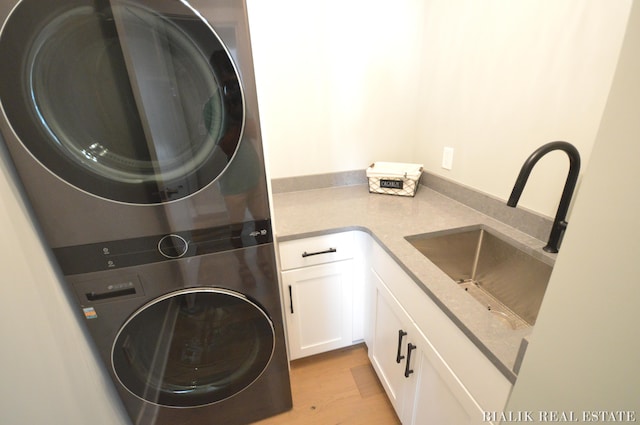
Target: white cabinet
(418, 382)
(344, 287)
(318, 281)
(437, 396)
(318, 310)
(430, 370)
(390, 334)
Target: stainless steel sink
(507, 280)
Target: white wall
(585, 347)
(501, 78)
(343, 83)
(49, 373)
(336, 82)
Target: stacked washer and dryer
(133, 126)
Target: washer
(134, 129)
(198, 340)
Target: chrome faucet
(559, 223)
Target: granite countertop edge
(389, 219)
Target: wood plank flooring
(336, 388)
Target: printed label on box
(391, 184)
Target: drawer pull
(328, 251)
(401, 334)
(290, 300)
(407, 371)
(99, 296)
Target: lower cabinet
(342, 288)
(450, 380)
(389, 348)
(318, 308)
(437, 396)
(321, 283)
(418, 382)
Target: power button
(173, 246)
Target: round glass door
(133, 101)
(193, 347)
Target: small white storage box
(394, 178)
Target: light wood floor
(334, 388)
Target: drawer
(316, 250)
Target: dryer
(133, 126)
(140, 110)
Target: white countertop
(389, 219)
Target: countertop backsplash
(526, 221)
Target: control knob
(173, 246)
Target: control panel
(117, 254)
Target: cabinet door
(438, 397)
(318, 308)
(483, 381)
(390, 340)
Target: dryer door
(193, 347)
(136, 101)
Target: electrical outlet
(447, 158)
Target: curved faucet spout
(559, 223)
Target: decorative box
(394, 178)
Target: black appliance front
(193, 341)
(140, 110)
(133, 126)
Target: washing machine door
(193, 347)
(135, 101)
